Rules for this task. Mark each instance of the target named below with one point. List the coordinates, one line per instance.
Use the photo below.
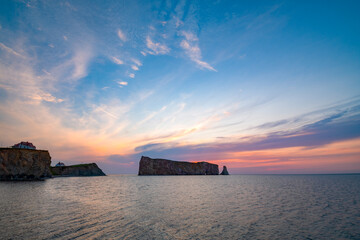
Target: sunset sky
(258, 86)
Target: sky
(263, 87)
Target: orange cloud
(343, 156)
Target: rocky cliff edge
(24, 164)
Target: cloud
(76, 66)
(148, 147)
(122, 83)
(121, 35)
(178, 22)
(191, 47)
(132, 75)
(117, 61)
(156, 48)
(189, 36)
(274, 124)
(106, 112)
(152, 115)
(10, 50)
(337, 127)
(136, 61)
(135, 68)
(81, 61)
(172, 117)
(47, 97)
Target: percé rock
(149, 166)
(224, 171)
(90, 169)
(24, 164)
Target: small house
(60, 164)
(25, 145)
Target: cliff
(90, 169)
(24, 164)
(149, 166)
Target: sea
(182, 207)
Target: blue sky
(108, 81)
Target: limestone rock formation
(24, 164)
(224, 171)
(149, 166)
(90, 169)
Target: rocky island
(24, 164)
(90, 169)
(150, 166)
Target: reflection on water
(183, 207)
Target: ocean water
(183, 207)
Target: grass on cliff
(70, 166)
(78, 165)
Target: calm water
(183, 207)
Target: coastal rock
(24, 164)
(90, 169)
(149, 166)
(224, 171)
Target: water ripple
(182, 207)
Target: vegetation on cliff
(90, 169)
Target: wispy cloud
(156, 48)
(322, 132)
(10, 50)
(76, 65)
(191, 46)
(47, 97)
(189, 36)
(136, 61)
(172, 117)
(106, 112)
(117, 60)
(152, 115)
(121, 35)
(178, 22)
(81, 61)
(135, 68)
(132, 75)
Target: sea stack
(24, 163)
(224, 171)
(150, 166)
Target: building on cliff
(25, 145)
(60, 164)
